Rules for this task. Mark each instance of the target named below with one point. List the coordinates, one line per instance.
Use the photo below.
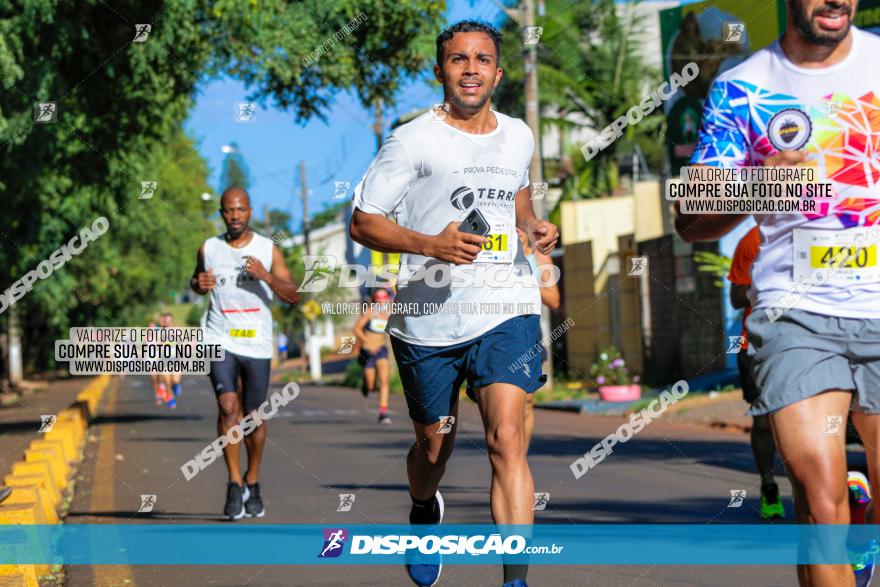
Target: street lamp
(206, 197)
(229, 149)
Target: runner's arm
(542, 233)
(358, 329)
(280, 281)
(549, 293)
(201, 281)
(378, 233)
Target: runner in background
(241, 271)
(170, 381)
(160, 391)
(282, 346)
(373, 357)
(550, 298)
(763, 445)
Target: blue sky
(273, 145)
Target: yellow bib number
(242, 333)
(847, 257)
(496, 242)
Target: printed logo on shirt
(789, 129)
(462, 198)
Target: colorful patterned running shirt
(767, 104)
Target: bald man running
(232, 268)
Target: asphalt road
(327, 442)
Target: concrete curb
(39, 480)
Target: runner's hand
(454, 246)
(543, 234)
(255, 269)
(785, 159)
(206, 280)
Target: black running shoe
(253, 506)
(236, 495)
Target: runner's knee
(505, 442)
(229, 405)
(433, 451)
(826, 502)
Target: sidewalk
(722, 409)
(20, 422)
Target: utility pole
(304, 194)
(533, 115)
(310, 330)
(378, 124)
(267, 225)
(536, 171)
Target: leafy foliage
(120, 110)
(235, 171)
(269, 46)
(717, 265)
(328, 215)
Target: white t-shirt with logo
(767, 104)
(428, 174)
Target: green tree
(117, 106)
(271, 45)
(235, 171)
(279, 221)
(119, 111)
(328, 214)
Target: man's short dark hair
(468, 26)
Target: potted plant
(615, 382)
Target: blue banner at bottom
(293, 544)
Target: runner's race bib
(242, 333)
(500, 246)
(849, 255)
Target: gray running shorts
(803, 354)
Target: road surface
(327, 442)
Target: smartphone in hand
(475, 223)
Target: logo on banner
(334, 542)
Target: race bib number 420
(847, 259)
